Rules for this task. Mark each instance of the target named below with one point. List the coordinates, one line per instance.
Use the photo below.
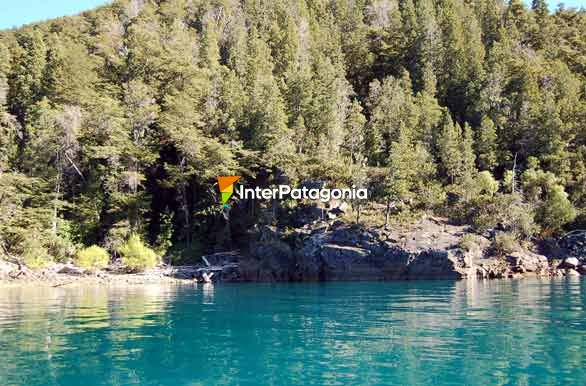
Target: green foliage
(507, 211)
(455, 151)
(505, 243)
(35, 254)
(136, 256)
(486, 184)
(407, 183)
(557, 210)
(108, 118)
(486, 144)
(93, 257)
(554, 209)
(468, 242)
(165, 234)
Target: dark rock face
(269, 261)
(325, 260)
(570, 263)
(427, 249)
(354, 253)
(574, 244)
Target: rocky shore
(61, 275)
(429, 248)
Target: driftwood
(63, 284)
(207, 273)
(207, 276)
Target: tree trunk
(387, 213)
(55, 204)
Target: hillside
(118, 121)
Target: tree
(118, 121)
(392, 111)
(553, 209)
(355, 131)
(267, 125)
(427, 48)
(26, 78)
(486, 146)
(140, 113)
(407, 184)
(455, 149)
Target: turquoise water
(519, 332)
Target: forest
(114, 124)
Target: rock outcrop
(428, 249)
(574, 245)
(334, 250)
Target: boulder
(70, 269)
(341, 262)
(570, 262)
(525, 261)
(270, 261)
(572, 272)
(268, 233)
(434, 264)
(575, 244)
(582, 269)
(345, 236)
(6, 268)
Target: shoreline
(91, 280)
(331, 251)
(104, 279)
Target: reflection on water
(468, 332)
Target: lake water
(517, 332)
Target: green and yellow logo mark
(226, 184)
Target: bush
(557, 210)
(61, 248)
(505, 243)
(136, 255)
(505, 211)
(467, 242)
(553, 208)
(93, 257)
(35, 254)
(486, 184)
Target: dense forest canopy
(117, 121)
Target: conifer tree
(427, 47)
(486, 145)
(355, 135)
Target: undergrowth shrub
(136, 255)
(505, 243)
(35, 254)
(93, 257)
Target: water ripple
(425, 333)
